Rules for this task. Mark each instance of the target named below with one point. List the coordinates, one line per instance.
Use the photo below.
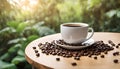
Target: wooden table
(49, 61)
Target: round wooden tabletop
(49, 61)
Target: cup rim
(80, 23)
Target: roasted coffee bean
(77, 58)
(36, 51)
(115, 53)
(64, 55)
(106, 52)
(34, 47)
(110, 42)
(115, 61)
(58, 59)
(117, 46)
(95, 57)
(39, 44)
(90, 56)
(74, 64)
(54, 53)
(37, 54)
(102, 56)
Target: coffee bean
(115, 60)
(64, 55)
(102, 56)
(47, 53)
(34, 47)
(37, 54)
(117, 46)
(110, 42)
(106, 52)
(74, 64)
(77, 58)
(90, 56)
(95, 57)
(115, 53)
(54, 53)
(36, 51)
(39, 44)
(58, 59)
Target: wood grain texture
(49, 61)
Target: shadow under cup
(75, 33)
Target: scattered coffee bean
(102, 56)
(37, 54)
(36, 51)
(58, 59)
(95, 57)
(115, 60)
(115, 53)
(74, 64)
(111, 42)
(117, 46)
(34, 47)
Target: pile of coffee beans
(61, 42)
(50, 48)
(96, 49)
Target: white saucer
(84, 45)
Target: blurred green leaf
(29, 39)
(93, 3)
(118, 14)
(18, 59)
(5, 56)
(13, 24)
(14, 49)
(21, 27)
(43, 30)
(111, 13)
(20, 53)
(7, 29)
(11, 53)
(32, 37)
(17, 40)
(5, 65)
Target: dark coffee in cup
(72, 25)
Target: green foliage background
(20, 27)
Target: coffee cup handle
(91, 34)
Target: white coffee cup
(74, 33)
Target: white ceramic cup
(74, 33)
